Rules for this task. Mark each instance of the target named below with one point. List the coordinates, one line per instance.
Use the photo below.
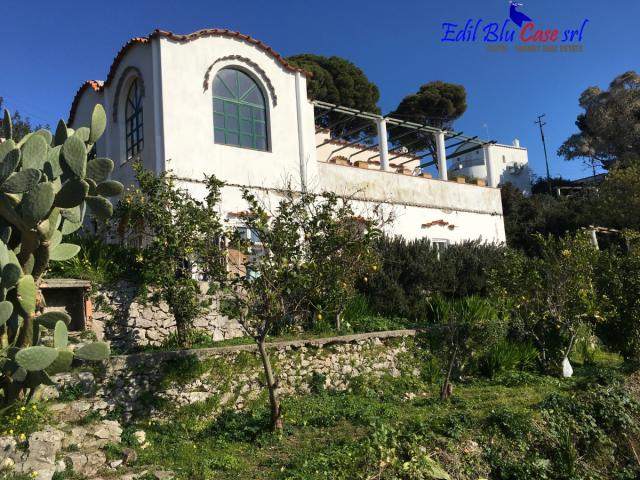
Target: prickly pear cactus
(47, 184)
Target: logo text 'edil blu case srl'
(504, 32)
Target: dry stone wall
(129, 320)
(232, 377)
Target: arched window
(133, 121)
(239, 110)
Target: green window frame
(239, 111)
(134, 134)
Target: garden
(363, 355)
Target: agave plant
(46, 185)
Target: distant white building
(509, 164)
(219, 102)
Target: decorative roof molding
(254, 67)
(210, 32)
(125, 76)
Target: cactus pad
(27, 292)
(83, 134)
(99, 169)
(98, 123)
(96, 351)
(52, 166)
(37, 203)
(34, 152)
(100, 207)
(61, 133)
(60, 335)
(72, 193)
(21, 181)
(110, 188)
(6, 147)
(33, 359)
(9, 162)
(75, 155)
(63, 252)
(62, 363)
(6, 309)
(50, 319)
(46, 134)
(7, 127)
(10, 275)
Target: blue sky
(51, 49)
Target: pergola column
(383, 144)
(441, 152)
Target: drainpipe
(442, 156)
(303, 164)
(383, 144)
(158, 113)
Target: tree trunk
(570, 347)
(445, 393)
(276, 413)
(183, 331)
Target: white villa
(220, 102)
(510, 165)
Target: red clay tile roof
(96, 85)
(180, 38)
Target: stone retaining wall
(129, 322)
(231, 377)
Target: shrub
(550, 298)
(413, 271)
(618, 284)
(595, 424)
(179, 235)
(458, 329)
(98, 261)
(506, 356)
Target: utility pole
(544, 145)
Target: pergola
(457, 143)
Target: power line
(544, 146)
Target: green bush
(618, 284)
(550, 298)
(99, 261)
(413, 271)
(598, 421)
(506, 356)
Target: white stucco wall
(137, 62)
(469, 211)
(510, 165)
(189, 144)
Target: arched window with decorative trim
(134, 135)
(239, 111)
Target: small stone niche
(70, 295)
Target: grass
(394, 427)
